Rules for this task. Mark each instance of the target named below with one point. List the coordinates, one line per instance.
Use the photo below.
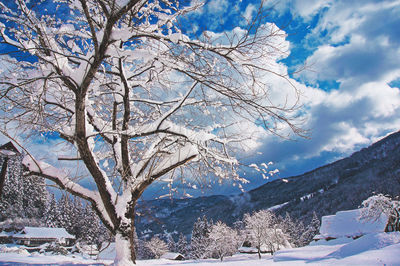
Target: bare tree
(156, 247)
(376, 206)
(136, 97)
(224, 241)
(260, 230)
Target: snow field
(372, 249)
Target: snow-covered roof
(348, 224)
(6, 234)
(172, 256)
(43, 232)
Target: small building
(347, 224)
(172, 256)
(5, 237)
(36, 236)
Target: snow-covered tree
(311, 230)
(157, 247)
(171, 243)
(52, 214)
(182, 245)
(224, 241)
(200, 241)
(65, 206)
(135, 95)
(22, 197)
(259, 227)
(12, 197)
(35, 196)
(375, 206)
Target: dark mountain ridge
(340, 185)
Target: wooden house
(36, 236)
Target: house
(36, 236)
(172, 256)
(347, 224)
(5, 237)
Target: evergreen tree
(11, 203)
(200, 238)
(52, 214)
(65, 206)
(35, 196)
(172, 246)
(23, 197)
(78, 221)
(182, 246)
(311, 230)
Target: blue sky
(350, 84)
(350, 53)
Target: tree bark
(3, 175)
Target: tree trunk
(3, 175)
(125, 250)
(259, 252)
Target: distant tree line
(218, 240)
(25, 201)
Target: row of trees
(77, 218)
(23, 198)
(262, 230)
(25, 201)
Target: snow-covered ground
(372, 249)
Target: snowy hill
(341, 185)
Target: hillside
(341, 185)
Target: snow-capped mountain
(341, 185)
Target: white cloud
(248, 14)
(307, 8)
(217, 6)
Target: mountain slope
(341, 185)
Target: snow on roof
(6, 234)
(43, 232)
(172, 256)
(348, 224)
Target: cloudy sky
(350, 55)
(350, 52)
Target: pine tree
(172, 246)
(200, 238)
(78, 222)
(182, 246)
(35, 196)
(311, 230)
(65, 206)
(52, 214)
(11, 203)
(23, 197)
